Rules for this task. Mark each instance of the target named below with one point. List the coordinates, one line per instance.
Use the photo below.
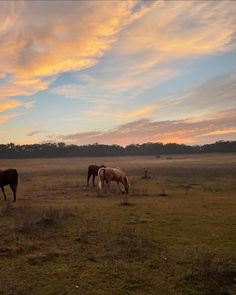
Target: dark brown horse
(93, 170)
(9, 177)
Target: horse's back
(93, 169)
(9, 176)
(114, 173)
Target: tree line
(55, 150)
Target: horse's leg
(108, 186)
(100, 185)
(118, 186)
(94, 179)
(5, 198)
(88, 177)
(123, 187)
(13, 188)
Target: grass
(64, 238)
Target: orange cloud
(6, 105)
(138, 113)
(9, 104)
(39, 40)
(6, 117)
(220, 132)
(2, 75)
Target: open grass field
(64, 238)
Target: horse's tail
(100, 185)
(101, 176)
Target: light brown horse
(108, 174)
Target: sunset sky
(117, 72)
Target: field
(176, 235)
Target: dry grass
(64, 238)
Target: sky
(117, 72)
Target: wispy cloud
(142, 112)
(9, 104)
(7, 117)
(106, 87)
(204, 99)
(36, 132)
(198, 102)
(180, 28)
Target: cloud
(41, 39)
(105, 87)
(137, 113)
(9, 104)
(139, 60)
(171, 31)
(48, 41)
(7, 117)
(2, 75)
(220, 132)
(133, 45)
(177, 29)
(9, 14)
(144, 130)
(36, 132)
(201, 100)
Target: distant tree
(60, 149)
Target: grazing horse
(9, 177)
(93, 170)
(108, 174)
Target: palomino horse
(9, 177)
(93, 170)
(108, 174)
